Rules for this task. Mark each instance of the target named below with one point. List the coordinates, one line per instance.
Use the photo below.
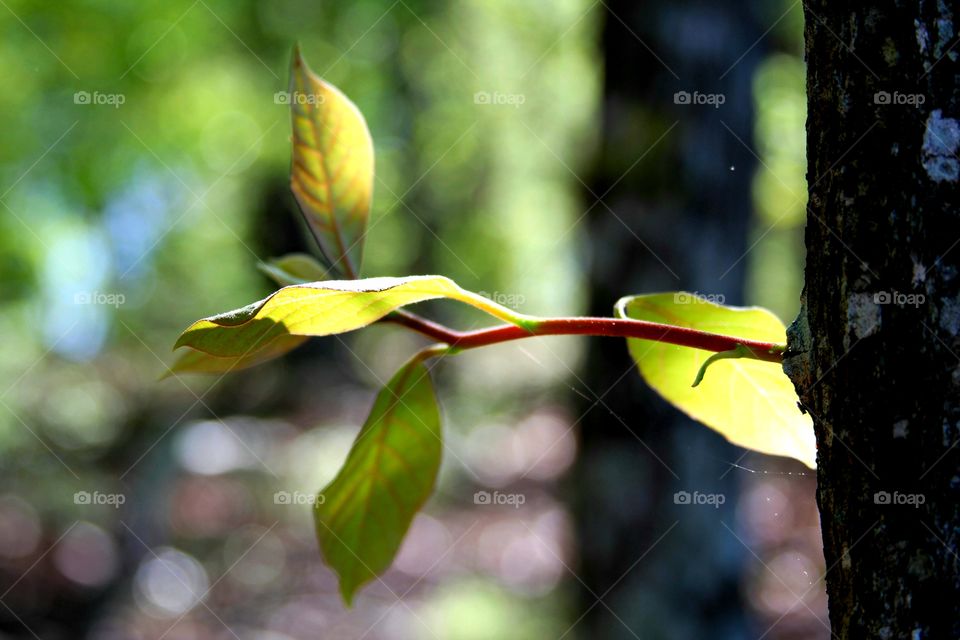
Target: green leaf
(750, 402)
(332, 174)
(193, 361)
(294, 268)
(249, 335)
(388, 475)
(312, 309)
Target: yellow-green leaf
(388, 475)
(751, 403)
(249, 335)
(332, 174)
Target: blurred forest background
(541, 152)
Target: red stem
(615, 327)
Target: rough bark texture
(875, 348)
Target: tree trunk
(873, 353)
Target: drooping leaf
(193, 361)
(332, 174)
(294, 268)
(388, 475)
(316, 309)
(751, 403)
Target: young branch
(611, 327)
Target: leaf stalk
(587, 326)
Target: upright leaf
(388, 475)
(332, 174)
(749, 402)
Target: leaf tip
(181, 341)
(347, 591)
(700, 373)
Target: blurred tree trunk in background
(675, 211)
(876, 344)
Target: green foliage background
(169, 199)
(158, 209)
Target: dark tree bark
(874, 350)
